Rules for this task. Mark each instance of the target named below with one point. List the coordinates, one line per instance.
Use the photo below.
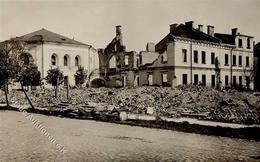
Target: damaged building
(117, 66)
(187, 55)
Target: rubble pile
(226, 106)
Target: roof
(226, 38)
(48, 36)
(186, 31)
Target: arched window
(66, 60)
(54, 60)
(77, 61)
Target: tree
(30, 76)
(80, 76)
(10, 64)
(55, 77)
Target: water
(85, 140)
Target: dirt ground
(225, 106)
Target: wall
(42, 56)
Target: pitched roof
(186, 31)
(48, 36)
(226, 38)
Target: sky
(93, 22)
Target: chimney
(172, 27)
(150, 47)
(200, 27)
(210, 30)
(119, 36)
(234, 31)
(189, 24)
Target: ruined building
(117, 66)
(257, 66)
(187, 55)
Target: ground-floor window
(234, 81)
(226, 80)
(240, 81)
(213, 80)
(203, 79)
(184, 79)
(196, 79)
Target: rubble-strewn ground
(226, 106)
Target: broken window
(164, 78)
(126, 60)
(164, 58)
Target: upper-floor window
(126, 60)
(240, 60)
(54, 60)
(164, 58)
(226, 59)
(212, 58)
(77, 61)
(247, 61)
(234, 60)
(184, 55)
(248, 43)
(203, 57)
(195, 54)
(240, 43)
(66, 60)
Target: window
(247, 81)
(240, 60)
(234, 60)
(203, 79)
(212, 58)
(195, 56)
(248, 43)
(196, 79)
(240, 43)
(240, 81)
(164, 57)
(203, 57)
(184, 79)
(77, 61)
(247, 61)
(54, 60)
(150, 79)
(234, 81)
(164, 78)
(66, 60)
(184, 55)
(226, 80)
(213, 81)
(226, 59)
(126, 60)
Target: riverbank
(208, 128)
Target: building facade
(50, 50)
(188, 55)
(257, 66)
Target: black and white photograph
(129, 80)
